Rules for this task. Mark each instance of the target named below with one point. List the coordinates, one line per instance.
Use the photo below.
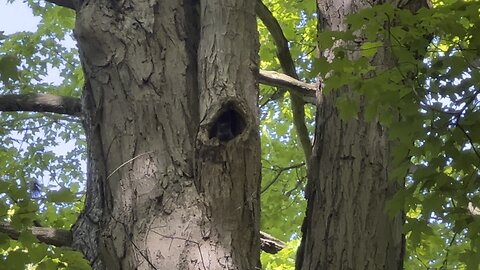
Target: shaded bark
(164, 190)
(346, 225)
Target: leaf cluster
(41, 155)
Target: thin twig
(128, 161)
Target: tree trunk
(170, 104)
(346, 225)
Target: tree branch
(272, 78)
(72, 106)
(279, 172)
(270, 244)
(51, 236)
(63, 238)
(288, 66)
(41, 103)
(71, 4)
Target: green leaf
(4, 186)
(8, 68)
(348, 107)
(369, 49)
(27, 238)
(48, 265)
(74, 260)
(17, 260)
(4, 241)
(62, 195)
(39, 252)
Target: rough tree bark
(346, 225)
(170, 104)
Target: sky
(16, 17)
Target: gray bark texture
(346, 225)
(170, 105)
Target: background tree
(424, 95)
(387, 90)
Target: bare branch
(306, 90)
(71, 4)
(72, 106)
(51, 236)
(270, 244)
(279, 172)
(41, 103)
